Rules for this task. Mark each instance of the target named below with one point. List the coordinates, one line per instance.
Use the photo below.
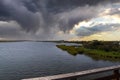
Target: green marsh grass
(73, 50)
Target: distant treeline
(63, 41)
(14, 40)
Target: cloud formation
(107, 20)
(45, 18)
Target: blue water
(20, 60)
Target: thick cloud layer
(36, 15)
(32, 14)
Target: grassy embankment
(94, 53)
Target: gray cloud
(87, 31)
(66, 20)
(41, 16)
(18, 12)
(32, 14)
(109, 24)
(13, 31)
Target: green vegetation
(71, 49)
(101, 45)
(95, 49)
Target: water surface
(20, 60)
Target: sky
(60, 20)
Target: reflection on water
(20, 60)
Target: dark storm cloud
(67, 19)
(32, 14)
(12, 30)
(45, 15)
